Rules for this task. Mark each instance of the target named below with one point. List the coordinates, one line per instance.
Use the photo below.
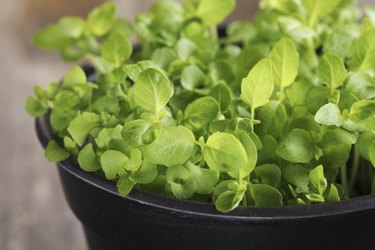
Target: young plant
(274, 113)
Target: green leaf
(329, 115)
(249, 57)
(317, 179)
(370, 12)
(363, 55)
(361, 117)
(285, 6)
(362, 85)
(185, 48)
(296, 95)
(45, 94)
(113, 163)
(118, 145)
(88, 159)
(34, 107)
(224, 153)
(139, 133)
(60, 119)
(59, 35)
(163, 57)
(266, 196)
(174, 146)
(55, 153)
(66, 100)
(228, 201)
(371, 153)
(316, 97)
(157, 186)
(315, 198)
(307, 123)
(117, 49)
(81, 126)
(267, 153)
(192, 77)
(297, 146)
(251, 152)
(269, 174)
(51, 37)
(273, 119)
(101, 65)
(364, 142)
(152, 90)
(132, 71)
(228, 195)
(333, 194)
(74, 76)
(295, 29)
(73, 27)
(341, 40)
(223, 126)
(318, 8)
(101, 20)
(285, 62)
(213, 12)
(337, 136)
(205, 179)
(124, 185)
(362, 110)
(146, 174)
(135, 160)
(296, 175)
(106, 135)
(223, 95)
(335, 156)
(194, 30)
(70, 145)
(221, 71)
(331, 71)
(182, 185)
(107, 104)
(201, 113)
(255, 129)
(257, 87)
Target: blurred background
(33, 212)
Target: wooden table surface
(33, 212)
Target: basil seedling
(274, 113)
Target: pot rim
(207, 210)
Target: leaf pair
(174, 146)
(74, 37)
(213, 12)
(279, 69)
(186, 181)
(152, 90)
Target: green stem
(355, 167)
(252, 118)
(311, 54)
(312, 20)
(244, 200)
(92, 45)
(201, 144)
(214, 33)
(344, 180)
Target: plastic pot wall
(147, 221)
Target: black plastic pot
(146, 221)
